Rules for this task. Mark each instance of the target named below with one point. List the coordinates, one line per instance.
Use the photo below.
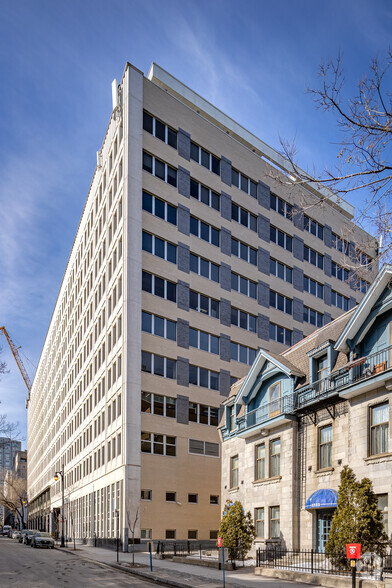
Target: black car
(27, 537)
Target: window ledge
(267, 481)
(235, 489)
(324, 470)
(378, 457)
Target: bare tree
(3, 365)
(132, 526)
(365, 154)
(13, 494)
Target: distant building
(298, 418)
(20, 464)
(192, 253)
(8, 451)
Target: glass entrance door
(324, 519)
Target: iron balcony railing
(355, 371)
(266, 412)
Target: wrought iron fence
(282, 405)
(309, 561)
(196, 549)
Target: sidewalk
(176, 574)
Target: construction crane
(18, 360)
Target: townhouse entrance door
(324, 519)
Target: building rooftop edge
(167, 81)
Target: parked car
(27, 537)
(6, 528)
(15, 534)
(10, 532)
(41, 539)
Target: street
(22, 566)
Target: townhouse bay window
(275, 458)
(260, 462)
(275, 522)
(379, 429)
(325, 447)
(234, 464)
(259, 522)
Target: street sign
(219, 541)
(353, 550)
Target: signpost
(223, 559)
(353, 552)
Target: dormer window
(231, 417)
(322, 367)
(274, 399)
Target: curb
(135, 572)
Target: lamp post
(56, 477)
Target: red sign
(353, 550)
(219, 541)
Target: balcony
(355, 372)
(268, 415)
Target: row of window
(205, 195)
(205, 158)
(171, 534)
(172, 497)
(167, 368)
(159, 130)
(158, 444)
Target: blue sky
(253, 59)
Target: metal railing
(356, 371)
(278, 407)
(310, 561)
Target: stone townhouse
(298, 418)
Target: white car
(15, 535)
(41, 539)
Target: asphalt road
(24, 567)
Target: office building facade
(192, 252)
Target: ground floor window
(275, 522)
(382, 500)
(259, 522)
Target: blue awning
(326, 498)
